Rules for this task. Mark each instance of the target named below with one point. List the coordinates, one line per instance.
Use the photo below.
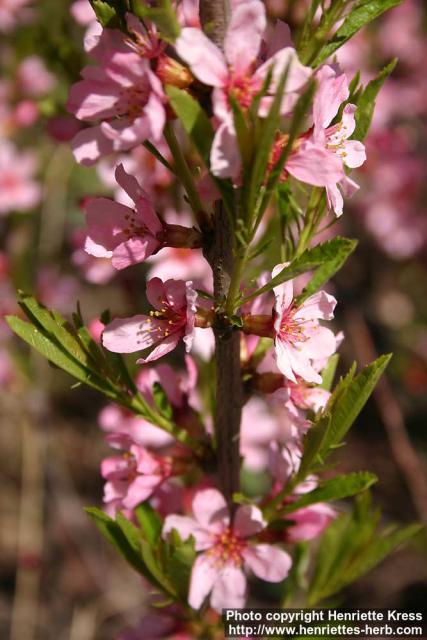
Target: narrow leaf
(366, 101)
(346, 405)
(162, 14)
(327, 257)
(194, 120)
(150, 521)
(112, 531)
(336, 488)
(362, 13)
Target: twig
(214, 15)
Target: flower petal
(89, 145)
(187, 527)
(204, 57)
(126, 335)
(332, 91)
(319, 305)
(225, 157)
(210, 510)
(248, 521)
(133, 251)
(354, 154)
(140, 490)
(244, 33)
(267, 562)
(203, 577)
(167, 345)
(229, 589)
(315, 165)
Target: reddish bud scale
(204, 318)
(268, 382)
(180, 237)
(260, 325)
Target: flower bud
(261, 325)
(268, 382)
(172, 72)
(181, 237)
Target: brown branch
(406, 458)
(229, 388)
(214, 15)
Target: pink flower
(174, 318)
(123, 428)
(18, 190)
(33, 78)
(82, 12)
(259, 427)
(306, 396)
(155, 177)
(122, 94)
(132, 478)
(331, 93)
(12, 12)
(227, 554)
(299, 338)
(308, 162)
(125, 235)
(233, 73)
(284, 461)
(94, 270)
(309, 522)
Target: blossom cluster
(158, 224)
(123, 98)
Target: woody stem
(214, 15)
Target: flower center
(163, 322)
(132, 100)
(291, 328)
(336, 137)
(243, 89)
(131, 464)
(227, 549)
(134, 228)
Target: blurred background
(58, 579)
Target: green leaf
(162, 15)
(200, 131)
(347, 401)
(313, 444)
(264, 142)
(366, 101)
(150, 521)
(53, 324)
(299, 114)
(327, 257)
(155, 568)
(194, 120)
(244, 134)
(161, 401)
(336, 488)
(105, 13)
(328, 372)
(350, 547)
(112, 531)
(362, 13)
(179, 566)
(336, 252)
(49, 348)
(379, 549)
